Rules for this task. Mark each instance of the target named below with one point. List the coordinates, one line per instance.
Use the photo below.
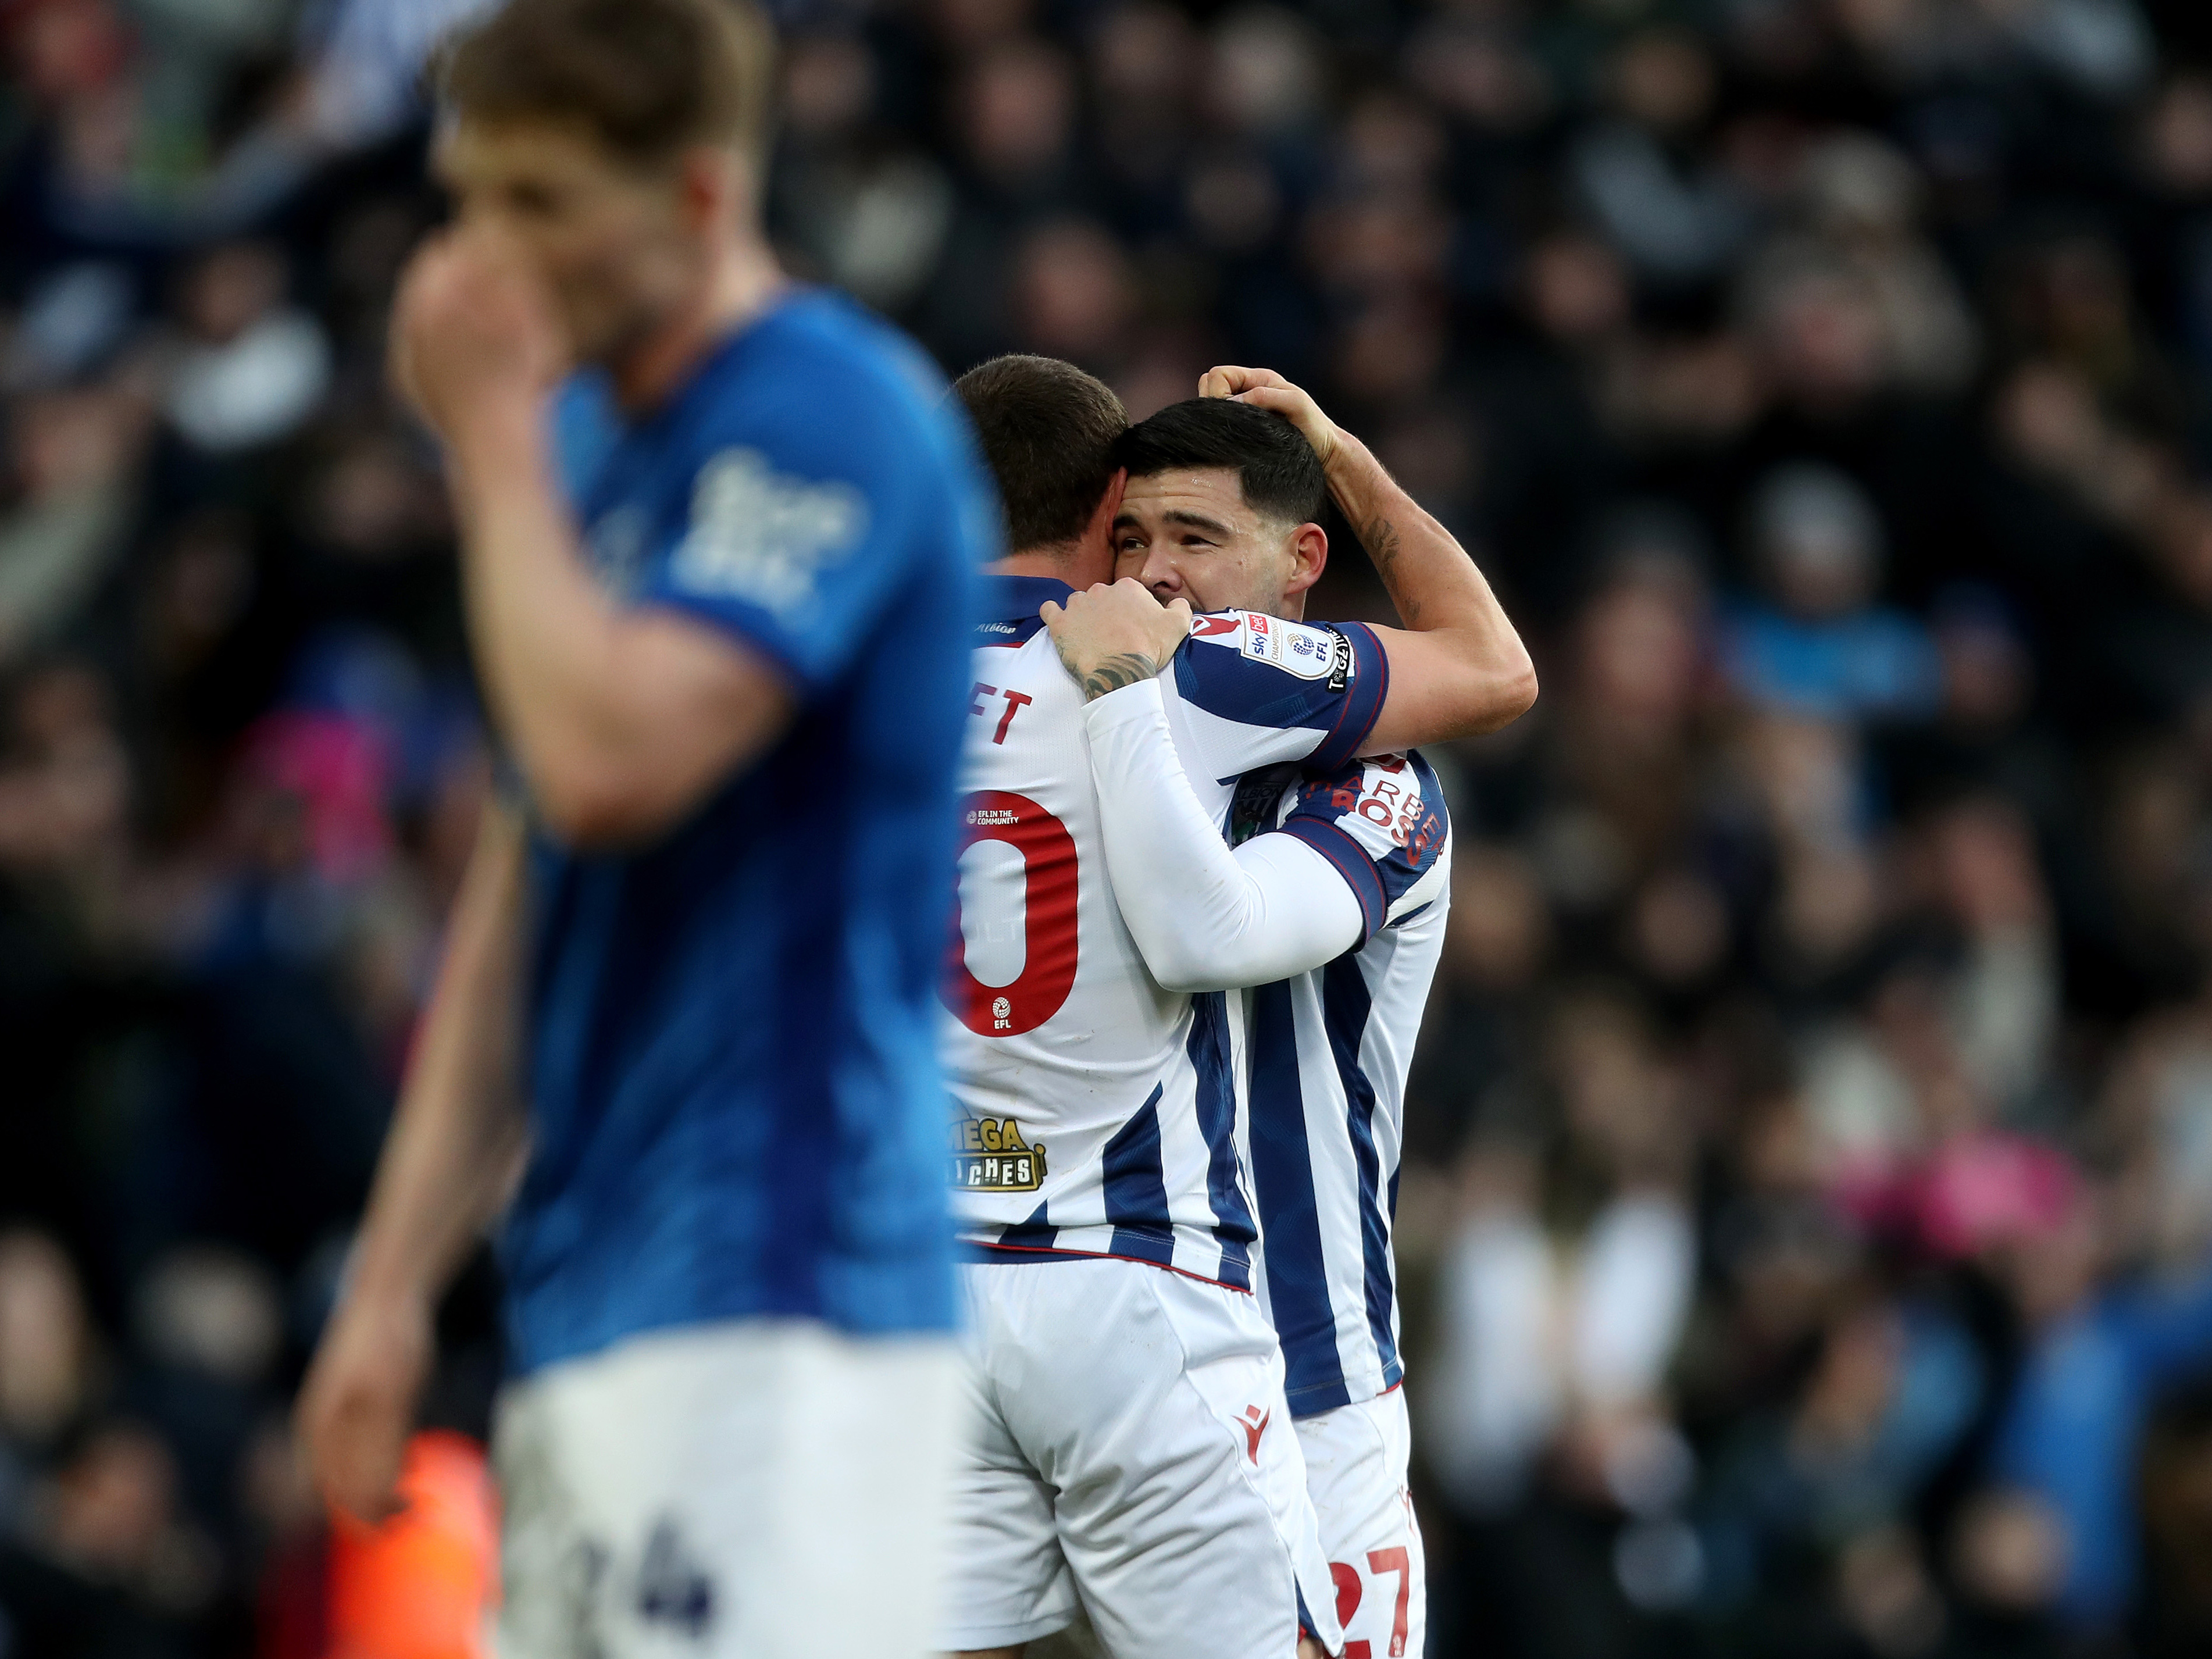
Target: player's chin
(590, 344)
(599, 329)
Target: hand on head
(1265, 389)
(1113, 636)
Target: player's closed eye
(532, 202)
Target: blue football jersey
(735, 1104)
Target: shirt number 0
(1048, 919)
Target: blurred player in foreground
(1331, 910)
(1125, 1381)
(718, 586)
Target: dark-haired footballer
(1321, 914)
(1131, 1451)
(719, 535)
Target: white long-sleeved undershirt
(1206, 918)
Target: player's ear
(713, 184)
(1100, 529)
(1095, 550)
(1309, 558)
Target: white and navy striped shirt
(1097, 1109)
(1325, 1058)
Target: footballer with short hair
(718, 534)
(1321, 915)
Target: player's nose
(478, 210)
(1159, 574)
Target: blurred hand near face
(473, 327)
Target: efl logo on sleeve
(1299, 648)
(989, 1155)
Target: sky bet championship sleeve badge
(990, 1156)
(1307, 650)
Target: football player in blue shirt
(717, 582)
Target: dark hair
(1047, 431)
(1275, 467)
(648, 78)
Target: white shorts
(1356, 1458)
(774, 1489)
(1130, 1447)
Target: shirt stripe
(1032, 1233)
(1136, 1188)
(1216, 1105)
(1346, 1005)
(1282, 1172)
(1325, 1065)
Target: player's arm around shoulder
(1458, 668)
(1113, 636)
(1392, 803)
(1380, 822)
(1205, 919)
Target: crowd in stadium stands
(1807, 1213)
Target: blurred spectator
(1859, 202)
(110, 1515)
(864, 207)
(46, 1357)
(1831, 1479)
(367, 60)
(2006, 1560)
(2071, 1438)
(1566, 1291)
(249, 369)
(2177, 1504)
(1531, 1343)
(1675, 217)
(1073, 296)
(1816, 646)
(75, 453)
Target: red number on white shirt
(1048, 919)
(1350, 1592)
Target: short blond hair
(649, 79)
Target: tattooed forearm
(1115, 673)
(1379, 537)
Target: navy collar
(1017, 599)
